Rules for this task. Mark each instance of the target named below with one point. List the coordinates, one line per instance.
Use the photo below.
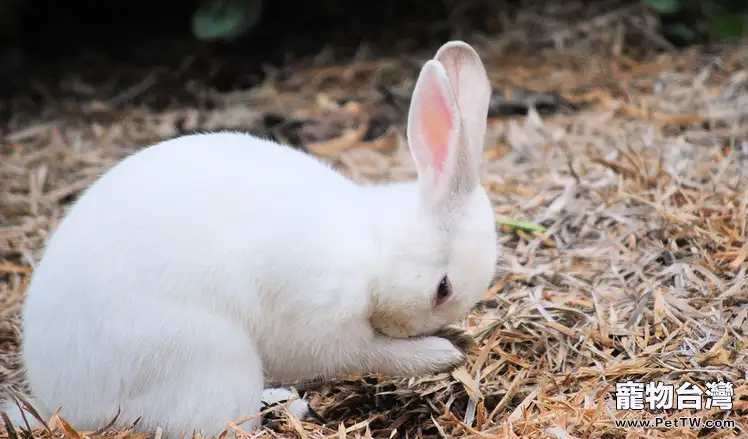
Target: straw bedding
(631, 161)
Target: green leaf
(522, 225)
(727, 27)
(665, 6)
(225, 19)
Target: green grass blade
(527, 226)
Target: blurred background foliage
(210, 20)
(40, 35)
(57, 28)
(687, 21)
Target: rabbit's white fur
(198, 267)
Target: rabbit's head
(440, 248)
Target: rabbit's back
(197, 216)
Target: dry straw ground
(638, 178)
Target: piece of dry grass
(639, 273)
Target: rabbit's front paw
(414, 356)
(442, 354)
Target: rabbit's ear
(447, 124)
(472, 90)
(433, 125)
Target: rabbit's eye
(444, 290)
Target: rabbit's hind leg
(210, 375)
(298, 407)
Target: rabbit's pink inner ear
(436, 123)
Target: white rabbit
(198, 267)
